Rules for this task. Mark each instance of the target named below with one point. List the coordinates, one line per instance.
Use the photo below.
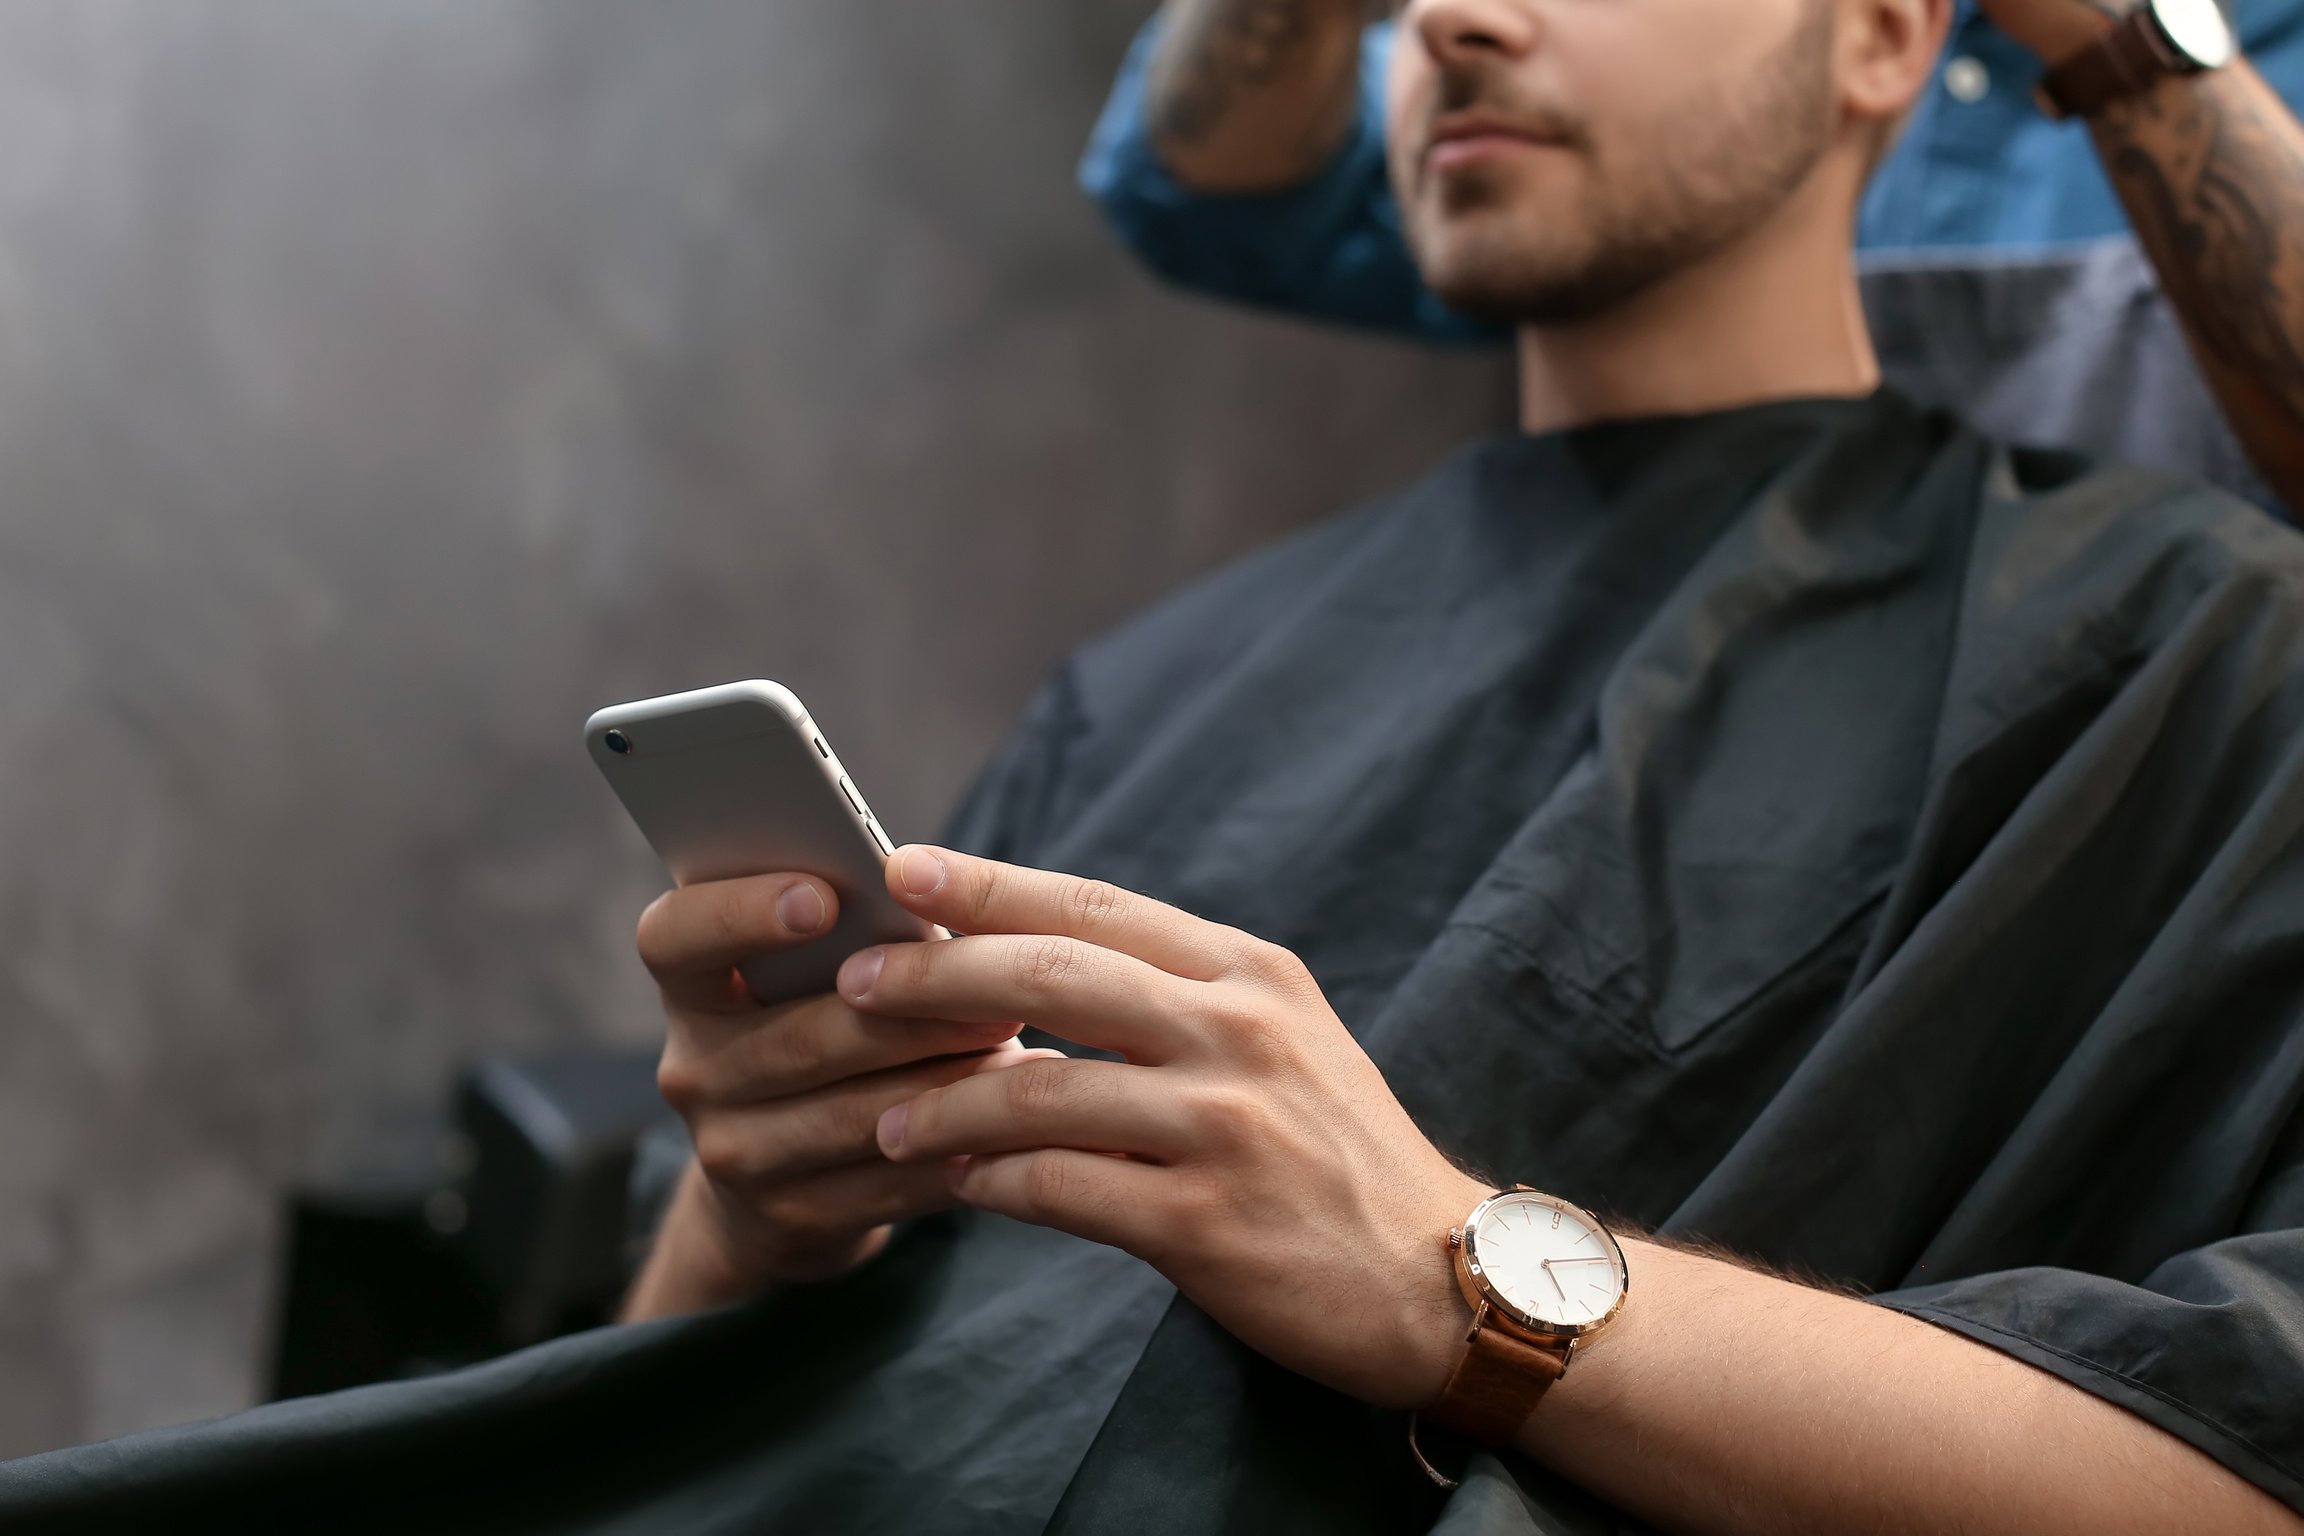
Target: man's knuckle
(789, 1048)
(1199, 1200)
(1093, 904)
(1046, 1180)
(984, 893)
(1200, 1212)
(1231, 1013)
(1033, 1089)
(1272, 964)
(910, 968)
(853, 1122)
(726, 1159)
(800, 1219)
(731, 925)
(1250, 1027)
(1043, 965)
(1267, 1041)
(1227, 1115)
(679, 1081)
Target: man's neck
(1774, 317)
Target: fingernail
(892, 1128)
(860, 971)
(801, 908)
(920, 872)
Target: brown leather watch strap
(1497, 1384)
(2128, 58)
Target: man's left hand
(1245, 1145)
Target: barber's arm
(1253, 95)
(2211, 170)
(1250, 1150)
(1240, 154)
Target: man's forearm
(2211, 169)
(1728, 1400)
(1253, 95)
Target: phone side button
(849, 790)
(881, 838)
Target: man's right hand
(782, 1102)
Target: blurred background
(385, 384)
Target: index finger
(692, 939)
(972, 895)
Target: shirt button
(1967, 79)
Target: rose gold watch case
(1480, 1291)
(2157, 40)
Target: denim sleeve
(1329, 248)
(2272, 34)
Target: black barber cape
(1807, 827)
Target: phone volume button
(849, 790)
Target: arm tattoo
(1223, 48)
(2214, 176)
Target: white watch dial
(2200, 29)
(1547, 1260)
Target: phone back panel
(737, 780)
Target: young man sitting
(1825, 855)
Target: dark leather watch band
(1496, 1384)
(2131, 57)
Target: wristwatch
(2158, 39)
(1542, 1276)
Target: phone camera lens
(618, 743)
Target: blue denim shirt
(1987, 172)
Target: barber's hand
(781, 1102)
(2055, 29)
(1247, 1147)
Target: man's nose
(1463, 31)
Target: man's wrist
(1439, 1317)
(1541, 1280)
(2056, 31)
(693, 1265)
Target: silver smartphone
(737, 780)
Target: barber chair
(501, 1218)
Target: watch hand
(1555, 1279)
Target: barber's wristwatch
(1541, 1276)
(2157, 39)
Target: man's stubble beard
(1699, 183)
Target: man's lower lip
(1449, 154)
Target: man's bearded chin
(1519, 266)
(1654, 202)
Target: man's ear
(1887, 55)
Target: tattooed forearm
(1217, 50)
(2212, 172)
(1247, 95)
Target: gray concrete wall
(386, 383)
